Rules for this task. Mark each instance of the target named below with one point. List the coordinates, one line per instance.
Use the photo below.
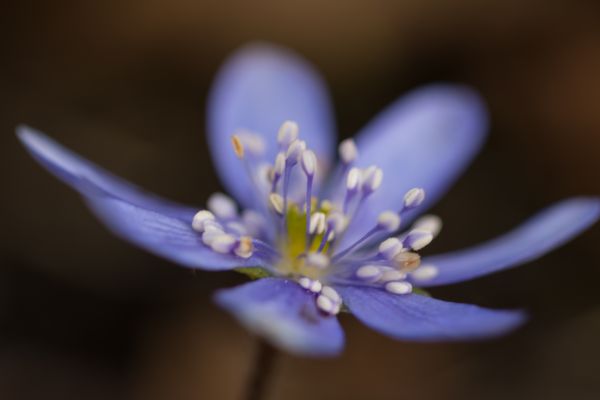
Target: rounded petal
(422, 318)
(542, 233)
(285, 314)
(257, 89)
(88, 178)
(425, 139)
(160, 226)
(164, 235)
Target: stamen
(390, 274)
(278, 170)
(390, 247)
(315, 286)
(352, 184)
(329, 301)
(238, 147)
(200, 220)
(317, 224)
(251, 142)
(336, 223)
(294, 152)
(317, 260)
(414, 198)
(308, 161)
(348, 151)
(222, 206)
(325, 304)
(369, 273)
(223, 243)
(388, 221)
(371, 180)
(244, 247)
(430, 223)
(211, 232)
(407, 261)
(425, 272)
(288, 132)
(331, 293)
(417, 239)
(401, 287)
(276, 202)
(309, 166)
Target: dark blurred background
(86, 316)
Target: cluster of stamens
(308, 232)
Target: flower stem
(262, 367)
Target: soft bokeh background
(85, 316)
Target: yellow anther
(238, 147)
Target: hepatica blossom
(317, 238)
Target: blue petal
(165, 236)
(284, 314)
(425, 139)
(258, 89)
(542, 233)
(160, 226)
(88, 178)
(421, 318)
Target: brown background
(85, 316)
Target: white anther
(276, 202)
(222, 206)
(353, 179)
(371, 179)
(244, 247)
(308, 161)
(425, 272)
(388, 220)
(213, 225)
(401, 287)
(430, 223)
(337, 221)
(238, 147)
(390, 247)
(348, 151)
(304, 282)
(407, 261)
(330, 237)
(223, 244)
(315, 286)
(331, 293)
(414, 198)
(390, 274)
(279, 166)
(325, 304)
(252, 142)
(369, 273)
(317, 260)
(212, 230)
(293, 153)
(200, 220)
(288, 132)
(317, 224)
(253, 221)
(417, 239)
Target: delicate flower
(324, 239)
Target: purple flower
(322, 239)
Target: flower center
(304, 234)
